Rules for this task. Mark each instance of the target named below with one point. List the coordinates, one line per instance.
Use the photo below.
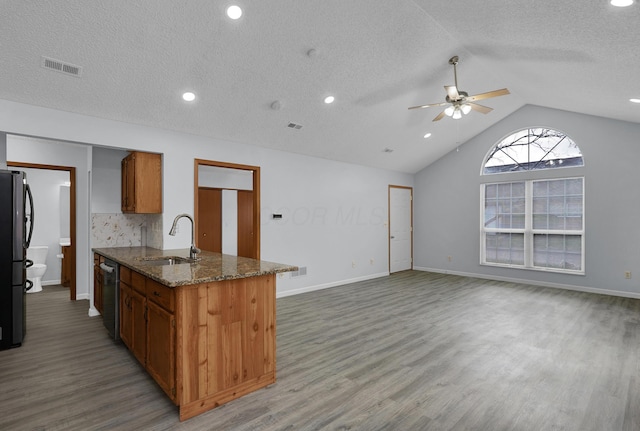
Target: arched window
(533, 222)
(532, 149)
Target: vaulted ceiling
(274, 66)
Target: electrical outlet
(371, 261)
(627, 274)
(449, 258)
(353, 264)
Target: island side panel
(226, 342)
(188, 331)
(269, 287)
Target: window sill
(537, 269)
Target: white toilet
(38, 254)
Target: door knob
(204, 234)
(392, 237)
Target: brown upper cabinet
(142, 183)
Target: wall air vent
(61, 66)
(294, 126)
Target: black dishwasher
(111, 297)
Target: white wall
(47, 152)
(47, 207)
(106, 190)
(334, 213)
(447, 203)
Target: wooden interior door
(209, 219)
(245, 224)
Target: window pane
(553, 209)
(490, 191)
(490, 213)
(505, 248)
(532, 149)
(557, 251)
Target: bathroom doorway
(68, 264)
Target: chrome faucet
(193, 251)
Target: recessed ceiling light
(428, 135)
(621, 3)
(634, 100)
(188, 96)
(329, 99)
(234, 12)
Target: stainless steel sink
(165, 260)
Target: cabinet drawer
(161, 295)
(138, 282)
(125, 275)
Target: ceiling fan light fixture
(457, 114)
(466, 108)
(449, 110)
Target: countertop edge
(213, 262)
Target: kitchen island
(205, 330)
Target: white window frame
(528, 230)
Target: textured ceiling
(377, 57)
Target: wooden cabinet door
(161, 336)
(128, 184)
(125, 315)
(97, 282)
(138, 326)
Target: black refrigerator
(16, 228)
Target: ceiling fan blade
(439, 117)
(452, 92)
(427, 106)
(494, 93)
(480, 108)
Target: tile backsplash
(126, 230)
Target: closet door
(210, 219)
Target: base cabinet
(161, 341)
(138, 326)
(126, 321)
(204, 344)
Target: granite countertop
(210, 267)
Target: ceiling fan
(460, 103)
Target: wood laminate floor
(413, 351)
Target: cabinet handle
(155, 293)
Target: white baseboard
(329, 285)
(82, 296)
(587, 289)
(50, 282)
(93, 311)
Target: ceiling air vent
(294, 126)
(61, 66)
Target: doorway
(69, 251)
(400, 228)
(227, 208)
